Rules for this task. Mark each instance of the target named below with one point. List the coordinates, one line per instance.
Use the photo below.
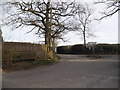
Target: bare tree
(1, 38)
(113, 6)
(47, 18)
(83, 21)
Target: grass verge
(28, 64)
(94, 56)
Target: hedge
(99, 49)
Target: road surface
(73, 71)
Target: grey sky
(105, 31)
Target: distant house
(91, 45)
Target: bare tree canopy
(113, 6)
(50, 19)
(84, 19)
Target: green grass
(55, 59)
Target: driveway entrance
(73, 71)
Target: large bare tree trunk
(47, 27)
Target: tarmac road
(73, 71)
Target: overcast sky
(105, 31)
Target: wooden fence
(14, 51)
